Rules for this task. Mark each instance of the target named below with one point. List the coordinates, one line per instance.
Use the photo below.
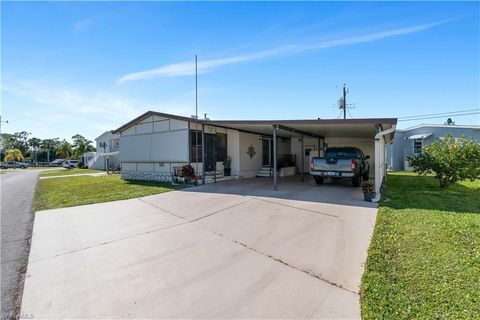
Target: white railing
(92, 161)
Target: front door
(267, 152)
(210, 164)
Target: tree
(449, 160)
(18, 140)
(449, 122)
(35, 144)
(50, 146)
(81, 145)
(14, 154)
(64, 150)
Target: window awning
(419, 136)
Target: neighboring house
(154, 146)
(107, 154)
(410, 141)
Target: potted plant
(227, 166)
(368, 191)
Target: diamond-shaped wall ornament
(251, 151)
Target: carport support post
(275, 157)
(303, 161)
(203, 154)
(318, 147)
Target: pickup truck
(339, 163)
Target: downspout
(378, 136)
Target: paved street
(17, 190)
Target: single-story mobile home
(410, 141)
(155, 145)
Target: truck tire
(318, 180)
(356, 181)
(365, 176)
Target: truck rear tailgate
(322, 164)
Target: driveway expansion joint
(308, 272)
(298, 208)
(108, 242)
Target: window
(341, 153)
(221, 147)
(417, 146)
(195, 146)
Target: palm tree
(15, 155)
(64, 150)
(81, 145)
(34, 143)
(50, 145)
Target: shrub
(449, 160)
(188, 171)
(81, 165)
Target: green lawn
(424, 258)
(66, 172)
(75, 191)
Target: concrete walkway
(76, 175)
(228, 250)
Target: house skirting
(147, 175)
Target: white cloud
(82, 25)
(188, 67)
(50, 110)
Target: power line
(437, 114)
(442, 116)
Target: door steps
(265, 172)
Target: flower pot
(227, 171)
(368, 196)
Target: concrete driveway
(230, 250)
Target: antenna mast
(342, 102)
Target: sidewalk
(76, 175)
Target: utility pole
(344, 101)
(196, 119)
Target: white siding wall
(250, 166)
(152, 148)
(156, 146)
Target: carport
(371, 133)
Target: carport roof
(361, 128)
(339, 128)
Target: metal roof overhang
(326, 128)
(419, 136)
(342, 128)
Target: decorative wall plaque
(251, 151)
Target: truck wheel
(318, 180)
(356, 181)
(366, 176)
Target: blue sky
(87, 67)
